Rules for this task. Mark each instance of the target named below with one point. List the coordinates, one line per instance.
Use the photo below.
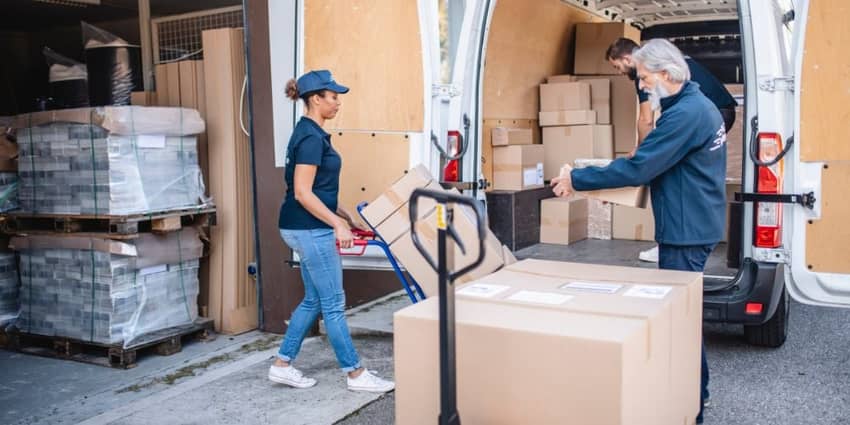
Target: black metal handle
(447, 198)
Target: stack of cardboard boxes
(389, 214)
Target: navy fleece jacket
(684, 162)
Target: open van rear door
(819, 271)
(387, 53)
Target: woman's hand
(349, 218)
(343, 235)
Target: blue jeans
(688, 258)
(321, 271)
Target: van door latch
(772, 84)
(806, 199)
(445, 91)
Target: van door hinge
(772, 84)
(806, 199)
(445, 91)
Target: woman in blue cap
(311, 223)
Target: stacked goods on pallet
(9, 288)
(109, 161)
(233, 298)
(8, 167)
(106, 291)
(8, 191)
(389, 214)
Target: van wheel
(773, 332)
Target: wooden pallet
(165, 343)
(113, 226)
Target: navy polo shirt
(709, 85)
(310, 145)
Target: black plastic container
(70, 93)
(115, 72)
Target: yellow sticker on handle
(441, 217)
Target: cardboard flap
(122, 120)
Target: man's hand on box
(562, 185)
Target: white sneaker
(650, 255)
(368, 382)
(290, 376)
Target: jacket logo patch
(720, 140)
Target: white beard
(655, 96)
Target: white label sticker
(529, 176)
(150, 141)
(539, 173)
(600, 288)
(482, 290)
(536, 297)
(644, 291)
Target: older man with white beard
(683, 160)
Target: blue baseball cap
(319, 80)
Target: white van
(407, 106)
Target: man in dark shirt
(683, 160)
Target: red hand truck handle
(362, 243)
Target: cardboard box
(600, 99)
(635, 224)
(518, 167)
(502, 136)
(396, 195)
(561, 118)
(573, 96)
(599, 219)
(564, 145)
(464, 224)
(564, 78)
(598, 358)
(563, 221)
(398, 223)
(593, 40)
(624, 110)
(629, 196)
(143, 98)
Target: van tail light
(451, 172)
(769, 181)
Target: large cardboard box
(396, 195)
(627, 354)
(563, 221)
(624, 110)
(573, 96)
(518, 167)
(398, 223)
(502, 136)
(464, 224)
(559, 118)
(636, 224)
(593, 40)
(600, 99)
(564, 145)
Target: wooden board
(374, 48)
(526, 45)
(825, 237)
(487, 138)
(371, 162)
(233, 296)
(825, 86)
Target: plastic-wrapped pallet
(109, 161)
(8, 191)
(107, 291)
(9, 287)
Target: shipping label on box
(502, 136)
(563, 221)
(573, 96)
(563, 118)
(564, 145)
(518, 167)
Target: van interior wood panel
(374, 48)
(823, 237)
(487, 137)
(824, 116)
(526, 45)
(371, 162)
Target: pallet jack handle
(445, 280)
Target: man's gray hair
(658, 55)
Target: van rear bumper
(725, 301)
